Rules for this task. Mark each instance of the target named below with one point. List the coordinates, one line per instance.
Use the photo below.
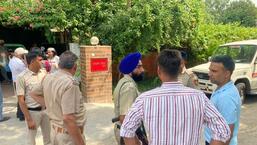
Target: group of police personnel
(52, 101)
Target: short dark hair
(67, 60)
(183, 55)
(227, 62)
(169, 61)
(32, 56)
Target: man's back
(61, 95)
(176, 113)
(173, 114)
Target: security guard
(64, 102)
(126, 90)
(34, 112)
(187, 77)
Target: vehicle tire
(242, 91)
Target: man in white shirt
(17, 65)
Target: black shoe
(21, 118)
(5, 119)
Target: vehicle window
(239, 53)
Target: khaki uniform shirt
(62, 96)
(188, 78)
(26, 81)
(124, 95)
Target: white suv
(245, 73)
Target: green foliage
(213, 35)
(45, 14)
(242, 11)
(215, 9)
(145, 85)
(33, 14)
(147, 25)
(148, 84)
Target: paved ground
(248, 125)
(99, 129)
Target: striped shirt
(174, 115)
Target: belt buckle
(59, 129)
(63, 130)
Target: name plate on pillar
(99, 64)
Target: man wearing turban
(126, 90)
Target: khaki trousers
(117, 134)
(42, 121)
(62, 137)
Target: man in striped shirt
(173, 114)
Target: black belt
(35, 109)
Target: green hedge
(212, 35)
(148, 25)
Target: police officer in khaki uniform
(64, 102)
(187, 77)
(126, 90)
(34, 112)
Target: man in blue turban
(126, 90)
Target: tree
(215, 9)
(63, 15)
(147, 25)
(242, 11)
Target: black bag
(141, 134)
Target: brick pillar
(96, 73)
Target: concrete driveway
(98, 129)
